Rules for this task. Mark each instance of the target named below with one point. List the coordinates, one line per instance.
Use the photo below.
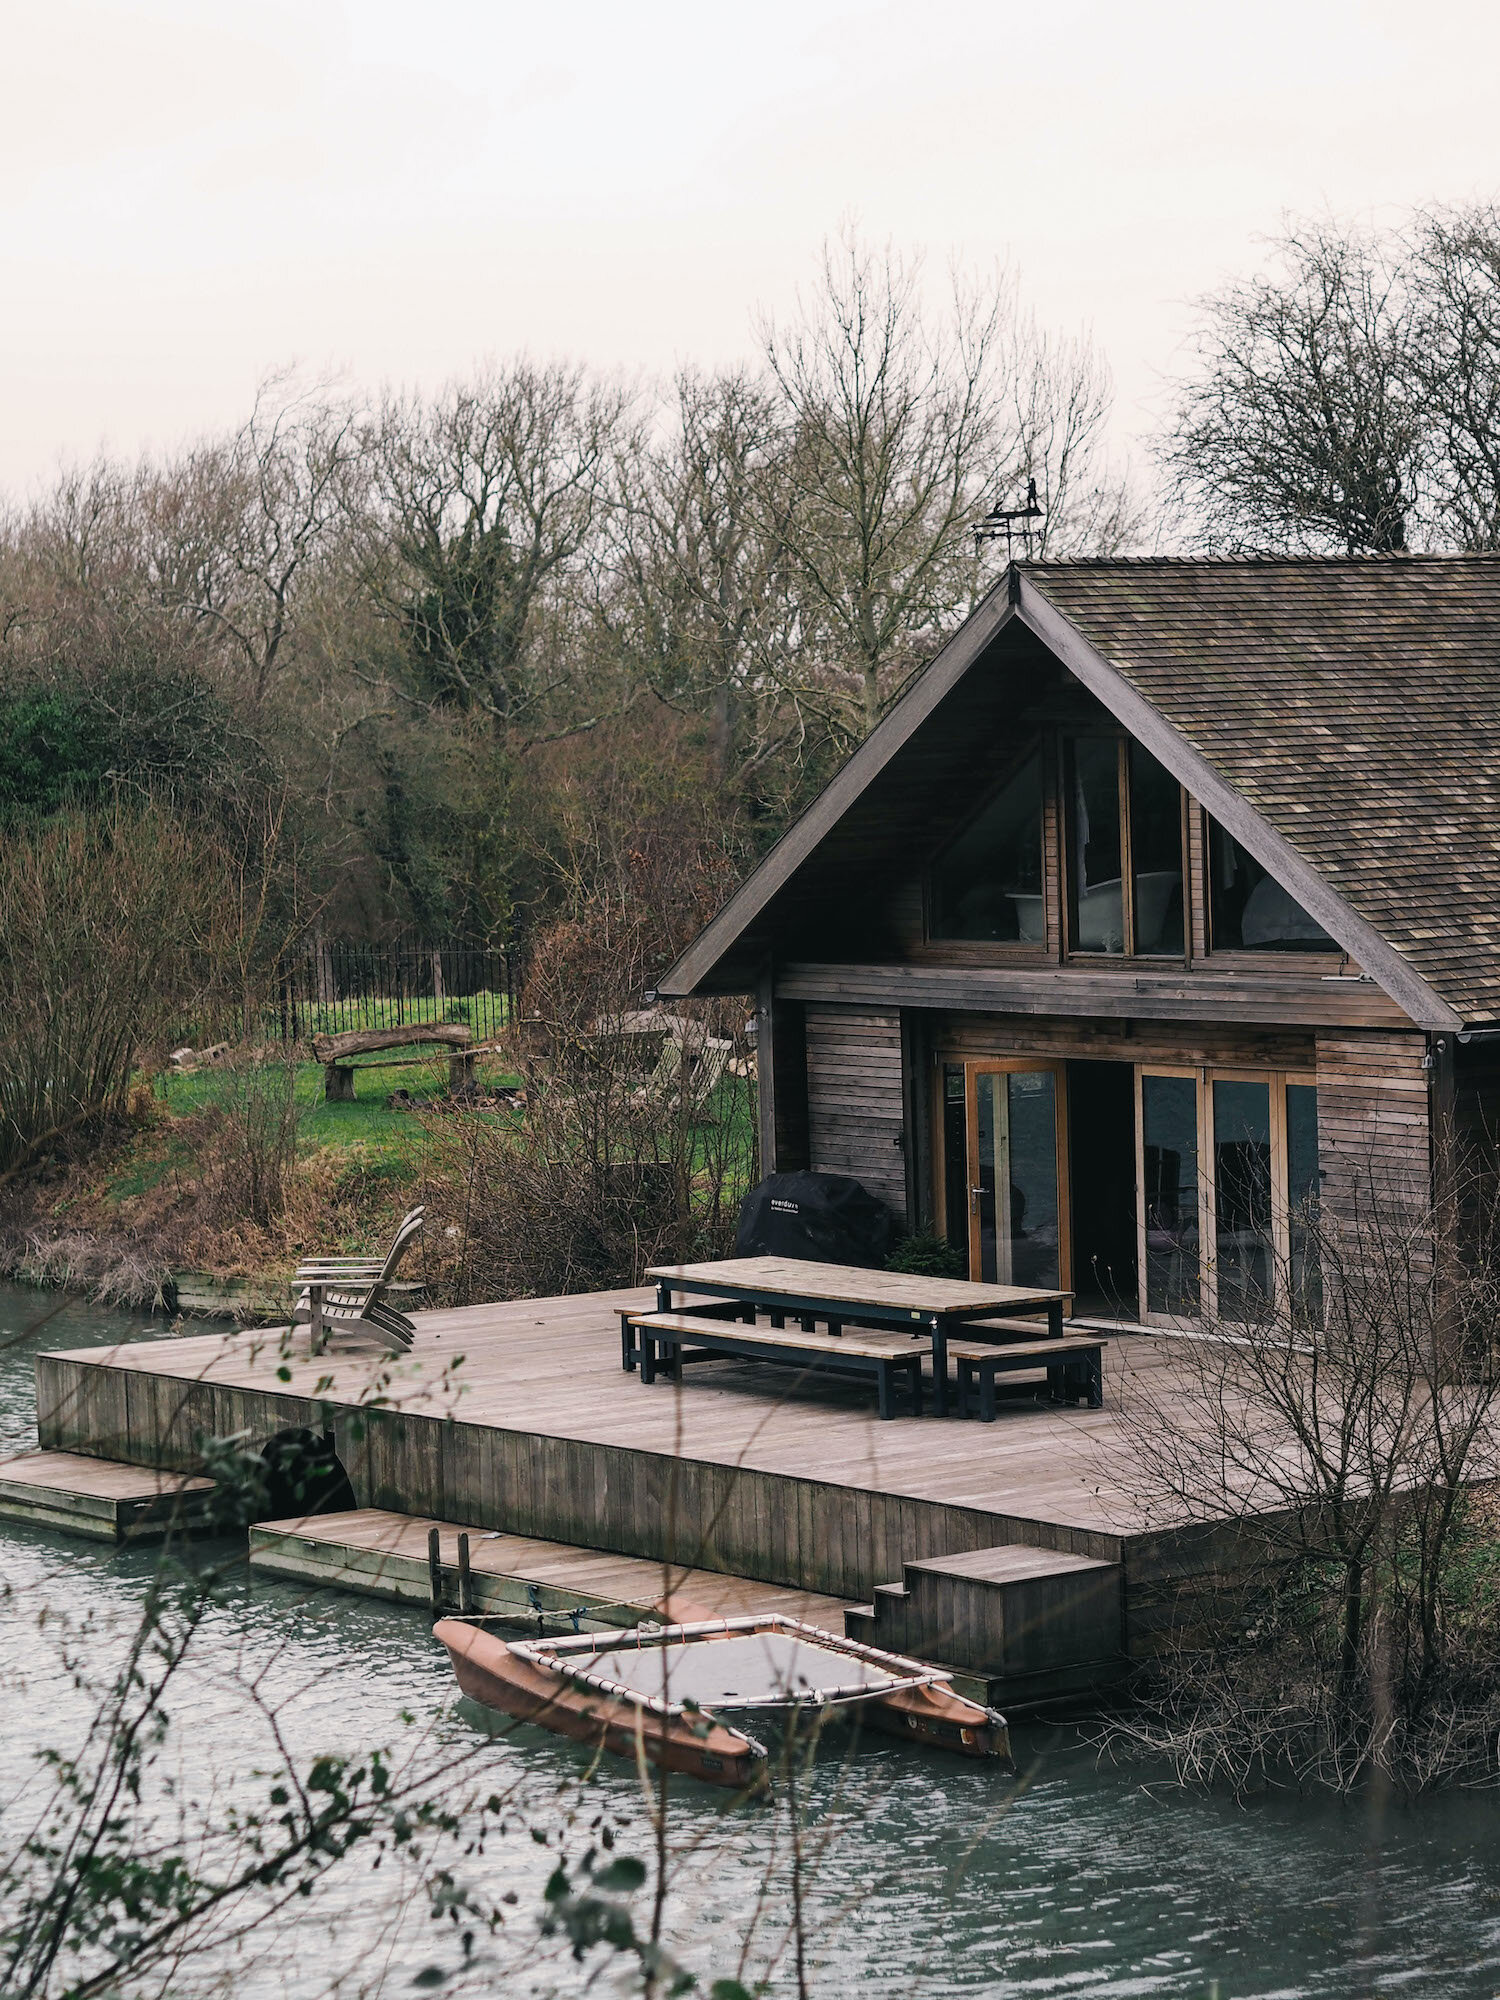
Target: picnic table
(840, 1293)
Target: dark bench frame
(1073, 1376)
(659, 1349)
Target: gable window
(1124, 834)
(1249, 910)
(987, 883)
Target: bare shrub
(1342, 1440)
(246, 1143)
(101, 915)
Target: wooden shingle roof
(1355, 706)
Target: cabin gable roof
(1341, 719)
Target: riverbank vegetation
(1341, 1457)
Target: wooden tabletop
(848, 1284)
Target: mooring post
(465, 1581)
(435, 1567)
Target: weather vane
(1006, 521)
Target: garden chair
(348, 1294)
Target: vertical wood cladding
(1373, 1119)
(855, 1102)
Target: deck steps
(100, 1498)
(1034, 1623)
(381, 1553)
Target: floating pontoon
(661, 1691)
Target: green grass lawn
(368, 1122)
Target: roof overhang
(1017, 599)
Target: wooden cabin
(1167, 896)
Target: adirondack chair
(348, 1294)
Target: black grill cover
(825, 1216)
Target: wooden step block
(100, 1498)
(1013, 1611)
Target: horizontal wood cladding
(1194, 1042)
(1286, 999)
(1373, 1118)
(855, 1103)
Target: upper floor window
(1249, 910)
(1124, 828)
(987, 883)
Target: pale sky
(193, 192)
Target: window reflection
(1169, 1132)
(1243, 1245)
(1094, 801)
(987, 884)
(1155, 855)
(1248, 910)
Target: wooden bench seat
(630, 1346)
(663, 1336)
(1074, 1365)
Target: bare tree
(1454, 261)
(1300, 428)
(487, 499)
(899, 421)
(695, 592)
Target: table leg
(883, 1387)
(663, 1296)
(940, 1367)
(1055, 1320)
(648, 1355)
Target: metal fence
(336, 986)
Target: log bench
(335, 1053)
(1075, 1370)
(663, 1336)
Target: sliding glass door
(1227, 1171)
(1017, 1183)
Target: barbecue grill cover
(824, 1216)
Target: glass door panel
(1169, 1194)
(1302, 1187)
(1016, 1209)
(1244, 1246)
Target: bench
(335, 1051)
(630, 1347)
(662, 1336)
(1075, 1370)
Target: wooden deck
(95, 1497)
(518, 1417)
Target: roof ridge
(1406, 558)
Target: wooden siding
(1373, 1120)
(1198, 1042)
(1133, 989)
(855, 1099)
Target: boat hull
(941, 1719)
(490, 1673)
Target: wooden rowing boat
(662, 1691)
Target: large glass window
(1124, 849)
(1169, 1133)
(1096, 844)
(1155, 855)
(987, 884)
(1248, 910)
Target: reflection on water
(939, 1878)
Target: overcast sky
(194, 191)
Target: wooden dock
(103, 1500)
(383, 1554)
(518, 1418)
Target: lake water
(932, 1877)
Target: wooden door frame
(1057, 1068)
